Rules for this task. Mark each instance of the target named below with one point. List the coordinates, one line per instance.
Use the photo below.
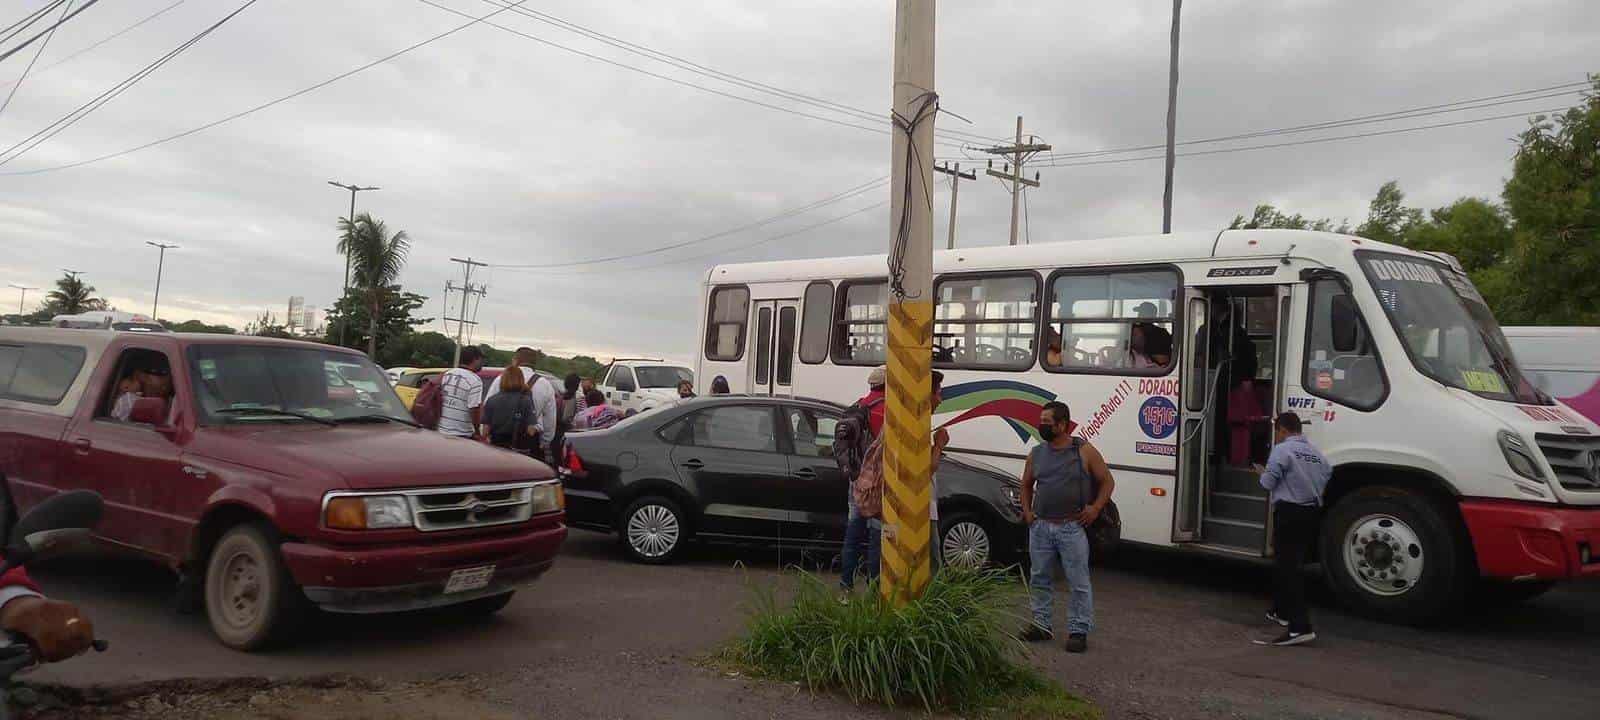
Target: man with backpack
(1065, 487)
(853, 438)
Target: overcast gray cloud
(496, 146)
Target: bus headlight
(1518, 455)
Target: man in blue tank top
(1065, 486)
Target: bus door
(1194, 447)
(776, 324)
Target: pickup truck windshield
(662, 376)
(1447, 328)
(245, 383)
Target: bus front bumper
(1527, 541)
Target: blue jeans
(1066, 543)
(861, 537)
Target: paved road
(599, 636)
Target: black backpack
(851, 438)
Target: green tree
(267, 325)
(376, 259)
(72, 296)
(417, 349)
(1388, 218)
(395, 321)
(195, 326)
(1553, 196)
(1267, 217)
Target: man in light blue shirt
(1295, 477)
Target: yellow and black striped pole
(907, 458)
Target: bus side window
(816, 321)
(730, 310)
(1341, 363)
(862, 337)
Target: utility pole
(956, 176)
(1020, 154)
(907, 458)
(161, 260)
(467, 291)
(22, 303)
(1172, 121)
(344, 320)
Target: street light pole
(22, 303)
(161, 261)
(1172, 119)
(344, 321)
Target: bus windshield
(1447, 327)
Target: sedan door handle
(693, 464)
(805, 473)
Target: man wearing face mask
(1065, 486)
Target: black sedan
(757, 470)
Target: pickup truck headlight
(1519, 456)
(369, 512)
(548, 498)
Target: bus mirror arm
(1314, 274)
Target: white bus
(1452, 472)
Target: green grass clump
(950, 650)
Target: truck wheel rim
(653, 531)
(965, 545)
(1384, 555)
(241, 590)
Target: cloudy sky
(514, 151)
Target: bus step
(1240, 481)
(1235, 533)
(1236, 506)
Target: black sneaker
(1289, 638)
(1077, 643)
(1034, 633)
(1275, 617)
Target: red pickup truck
(272, 475)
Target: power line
(82, 111)
(18, 84)
(16, 28)
(836, 197)
(669, 78)
(1312, 141)
(270, 103)
(103, 41)
(1406, 114)
(41, 33)
(703, 70)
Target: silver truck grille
(471, 507)
(1575, 459)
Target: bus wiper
(376, 417)
(261, 411)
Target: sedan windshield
(263, 383)
(1447, 328)
(663, 376)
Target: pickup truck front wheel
(250, 596)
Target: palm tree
(376, 259)
(73, 296)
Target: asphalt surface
(601, 637)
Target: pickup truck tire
(653, 530)
(251, 600)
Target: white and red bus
(1453, 472)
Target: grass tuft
(950, 650)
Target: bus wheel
(1394, 554)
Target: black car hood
(978, 466)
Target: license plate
(469, 579)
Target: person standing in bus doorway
(1295, 476)
(1065, 486)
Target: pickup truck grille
(471, 507)
(1576, 460)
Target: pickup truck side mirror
(149, 411)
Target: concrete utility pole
(1172, 121)
(467, 291)
(161, 261)
(1020, 154)
(22, 303)
(956, 176)
(907, 456)
(344, 320)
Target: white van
(1452, 471)
(1562, 361)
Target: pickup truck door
(620, 388)
(136, 468)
